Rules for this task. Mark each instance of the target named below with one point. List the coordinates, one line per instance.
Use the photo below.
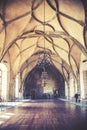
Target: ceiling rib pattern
(26, 25)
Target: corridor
(44, 115)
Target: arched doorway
(54, 87)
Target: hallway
(44, 115)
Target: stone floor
(44, 115)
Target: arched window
(3, 81)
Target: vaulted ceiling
(28, 27)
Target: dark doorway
(55, 86)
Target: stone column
(78, 83)
(11, 90)
(20, 86)
(67, 90)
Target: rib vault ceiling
(29, 26)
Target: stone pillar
(85, 83)
(67, 89)
(11, 90)
(71, 84)
(78, 84)
(20, 86)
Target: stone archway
(55, 82)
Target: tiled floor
(44, 115)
